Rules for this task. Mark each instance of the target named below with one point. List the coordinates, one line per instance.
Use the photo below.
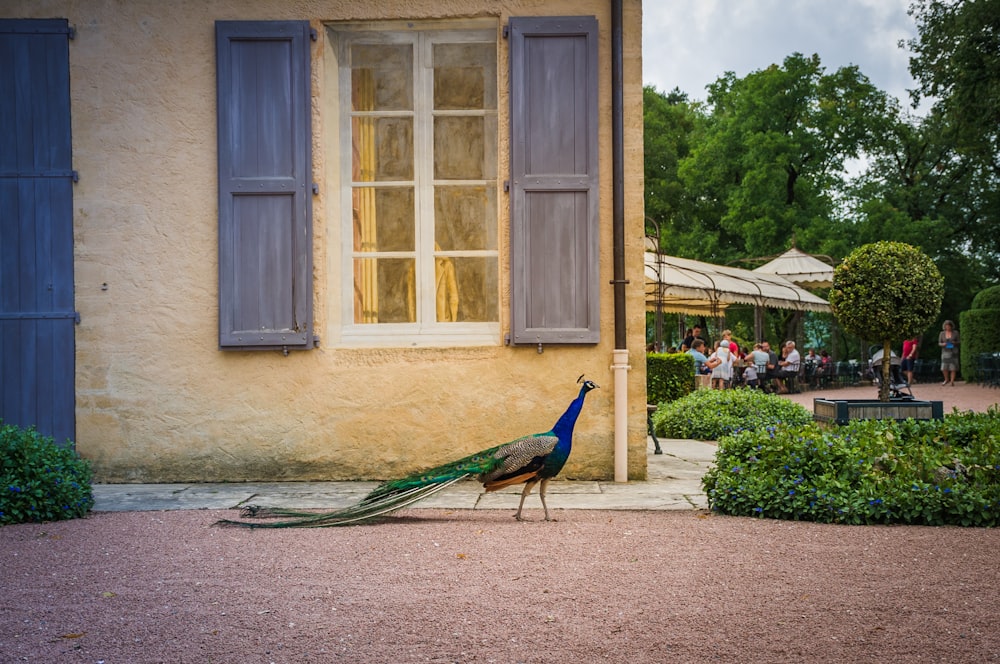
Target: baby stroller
(899, 389)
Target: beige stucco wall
(157, 400)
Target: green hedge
(979, 328)
(930, 472)
(712, 414)
(669, 376)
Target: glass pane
(466, 289)
(384, 219)
(465, 76)
(465, 217)
(383, 290)
(463, 148)
(382, 77)
(382, 149)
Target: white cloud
(690, 43)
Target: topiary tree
(980, 329)
(886, 291)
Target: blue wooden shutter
(554, 180)
(37, 316)
(265, 217)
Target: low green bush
(943, 472)
(712, 414)
(40, 481)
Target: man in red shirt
(909, 358)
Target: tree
(773, 151)
(886, 291)
(956, 60)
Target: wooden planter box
(842, 411)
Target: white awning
(683, 285)
(799, 268)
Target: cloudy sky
(690, 43)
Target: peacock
(531, 460)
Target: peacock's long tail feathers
(364, 510)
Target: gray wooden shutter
(554, 180)
(265, 216)
(37, 313)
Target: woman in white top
(722, 373)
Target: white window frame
(426, 331)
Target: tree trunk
(883, 388)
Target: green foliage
(988, 298)
(870, 471)
(40, 481)
(886, 291)
(980, 333)
(955, 61)
(669, 376)
(773, 150)
(980, 329)
(712, 414)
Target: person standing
(948, 340)
(722, 373)
(909, 360)
(695, 334)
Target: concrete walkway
(674, 484)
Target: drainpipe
(619, 364)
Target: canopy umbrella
(800, 268)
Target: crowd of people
(760, 367)
(727, 365)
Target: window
(417, 122)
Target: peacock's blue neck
(563, 429)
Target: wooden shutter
(554, 180)
(265, 217)
(37, 313)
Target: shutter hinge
(75, 175)
(506, 31)
(506, 186)
(313, 35)
(76, 317)
(71, 32)
(315, 189)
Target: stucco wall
(157, 400)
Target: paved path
(674, 484)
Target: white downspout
(620, 367)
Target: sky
(690, 43)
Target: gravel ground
(476, 586)
(464, 586)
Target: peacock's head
(588, 385)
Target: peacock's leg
(541, 494)
(524, 494)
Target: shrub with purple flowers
(39, 480)
(929, 472)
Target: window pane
(465, 217)
(382, 149)
(465, 77)
(382, 77)
(460, 148)
(383, 290)
(466, 289)
(384, 219)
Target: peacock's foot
(249, 511)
